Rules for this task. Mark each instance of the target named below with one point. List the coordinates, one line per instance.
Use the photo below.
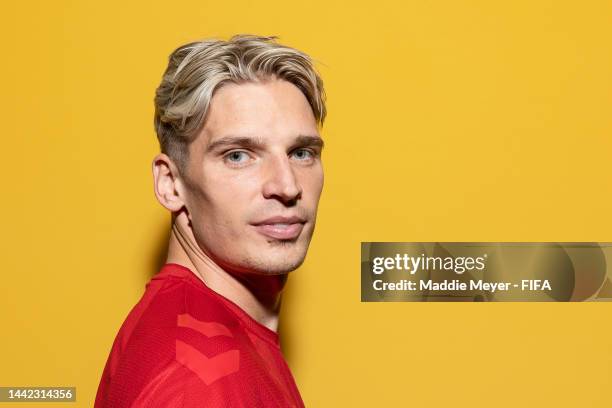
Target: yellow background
(448, 121)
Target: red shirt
(184, 346)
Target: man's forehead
(251, 106)
(258, 113)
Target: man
(240, 170)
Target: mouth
(281, 227)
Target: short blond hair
(195, 70)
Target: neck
(258, 295)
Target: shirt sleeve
(176, 386)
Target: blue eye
(303, 154)
(237, 157)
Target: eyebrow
(304, 140)
(254, 143)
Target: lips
(281, 227)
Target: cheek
(321, 180)
(218, 225)
(312, 180)
(224, 200)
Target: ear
(166, 183)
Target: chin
(276, 261)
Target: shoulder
(175, 335)
(177, 386)
(178, 312)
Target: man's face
(254, 177)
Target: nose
(281, 182)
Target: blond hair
(197, 69)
